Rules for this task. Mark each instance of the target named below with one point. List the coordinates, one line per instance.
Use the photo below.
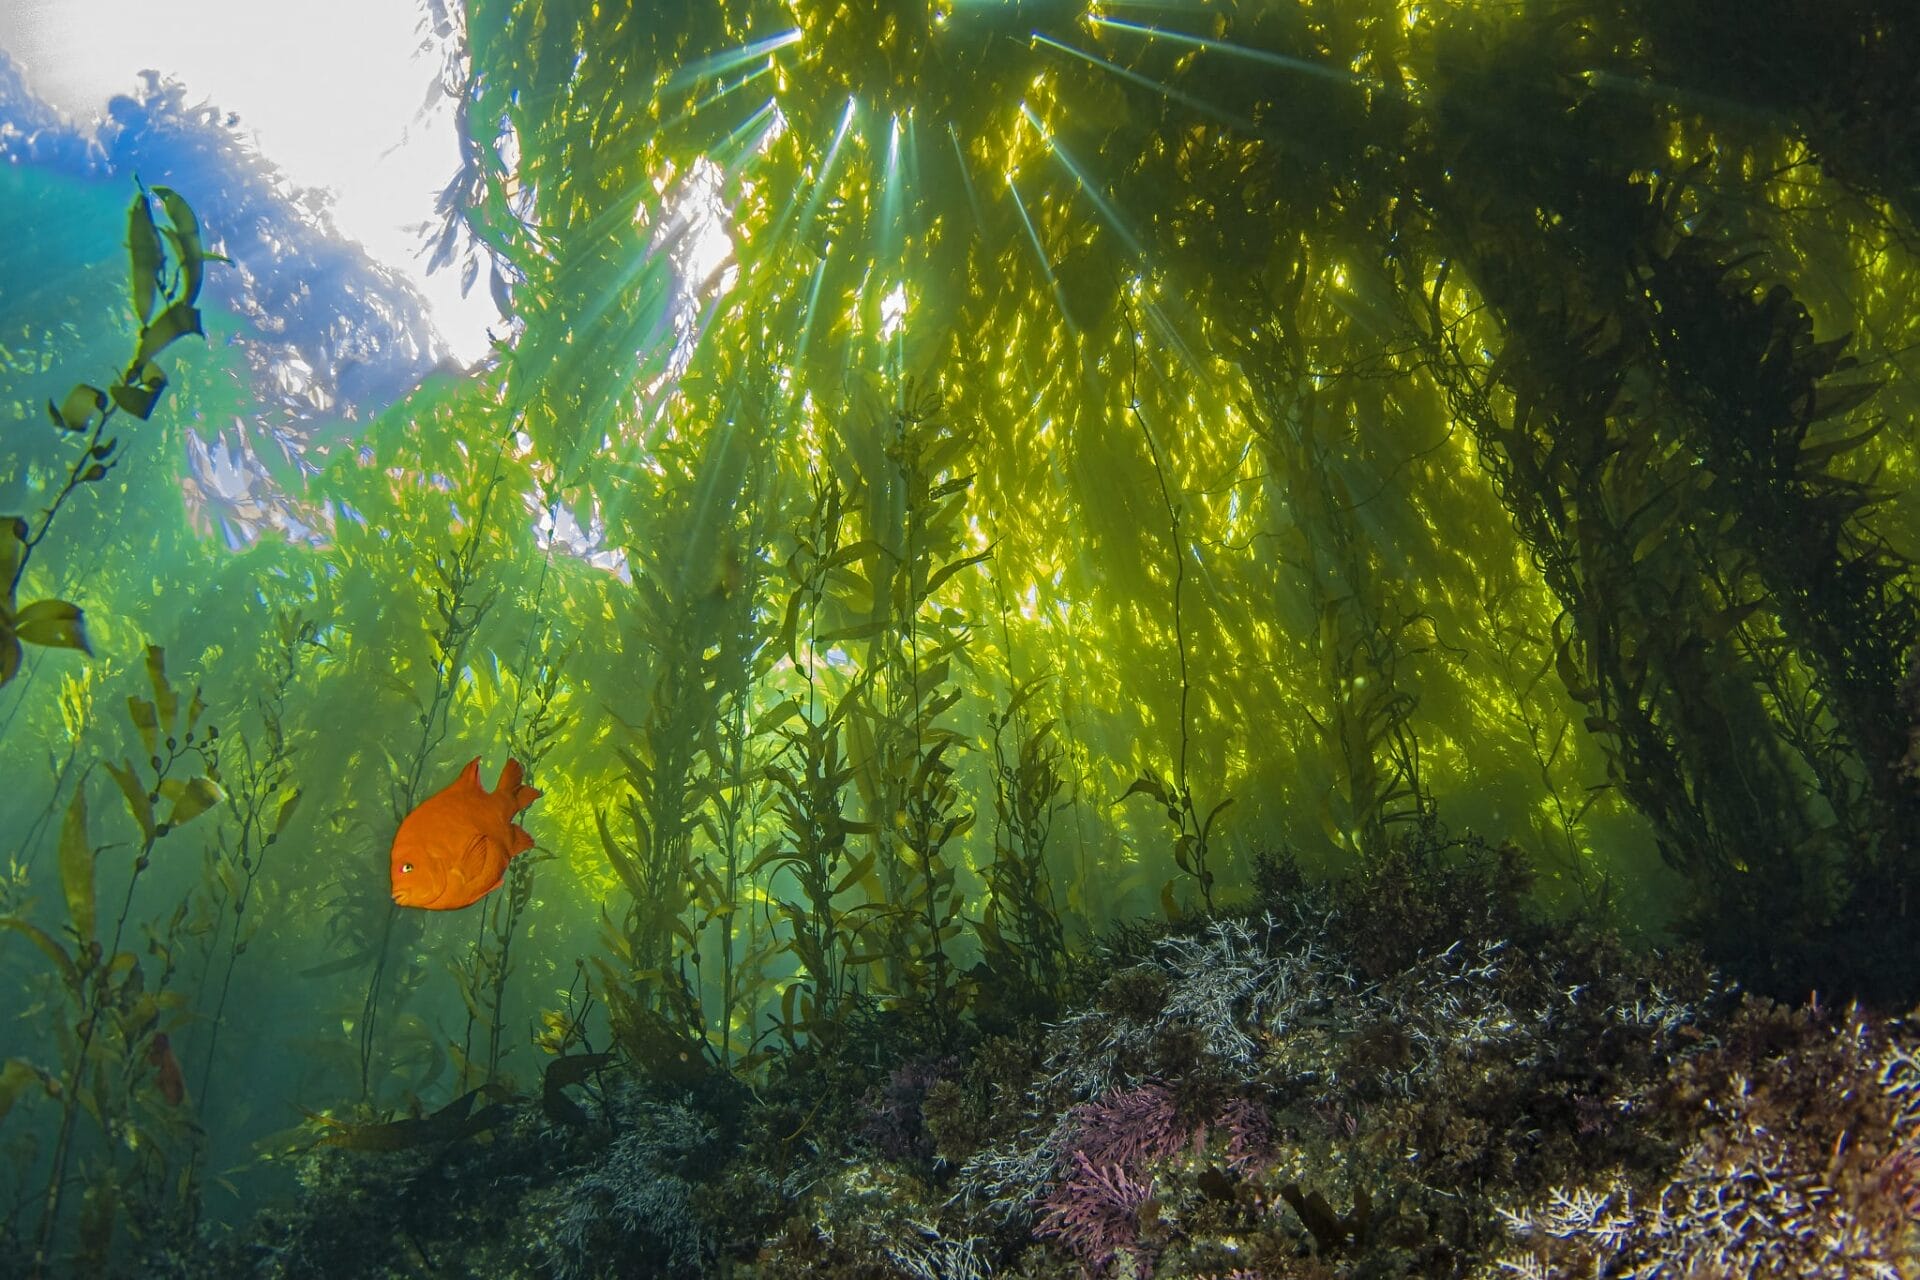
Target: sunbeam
(1147, 82)
(1108, 214)
(726, 60)
(1040, 252)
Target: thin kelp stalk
(76, 712)
(1020, 929)
(1523, 660)
(108, 980)
(460, 615)
(737, 807)
(915, 500)
(261, 799)
(807, 781)
(519, 895)
(482, 975)
(533, 743)
(1178, 560)
(1762, 405)
(740, 747)
(1191, 831)
(1363, 643)
(165, 285)
(1079, 897)
(693, 612)
(1587, 441)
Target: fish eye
(406, 868)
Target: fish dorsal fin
(512, 795)
(470, 776)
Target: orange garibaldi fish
(452, 850)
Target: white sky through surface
(330, 92)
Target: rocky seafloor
(1412, 1073)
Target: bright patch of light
(693, 232)
(557, 528)
(893, 312)
(329, 93)
(227, 486)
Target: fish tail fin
(519, 841)
(512, 795)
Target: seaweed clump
(508, 1190)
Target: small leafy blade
(171, 325)
(138, 803)
(163, 695)
(77, 410)
(185, 235)
(190, 799)
(140, 390)
(53, 624)
(15, 1076)
(76, 866)
(144, 254)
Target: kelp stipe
(806, 785)
(694, 620)
(914, 498)
(1192, 831)
(481, 973)
(1647, 423)
(1824, 603)
(460, 603)
(166, 276)
(116, 1023)
(1020, 929)
(262, 794)
(1307, 373)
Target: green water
(958, 479)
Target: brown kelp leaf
(286, 811)
(450, 1123)
(140, 390)
(15, 1076)
(171, 325)
(190, 798)
(561, 1072)
(52, 624)
(76, 866)
(13, 544)
(187, 246)
(45, 941)
(139, 802)
(146, 719)
(144, 255)
(1147, 784)
(164, 697)
(76, 411)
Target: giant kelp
(934, 467)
